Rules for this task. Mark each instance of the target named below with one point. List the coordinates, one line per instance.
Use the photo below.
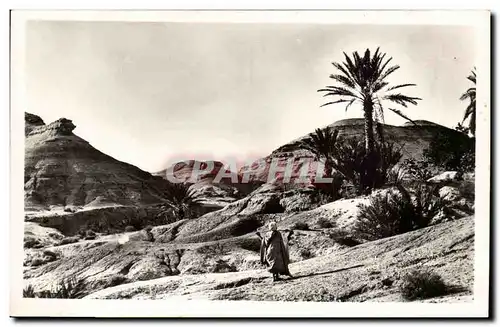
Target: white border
(168, 308)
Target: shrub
(300, 225)
(51, 254)
(129, 229)
(343, 238)
(394, 213)
(149, 237)
(467, 190)
(250, 244)
(324, 223)
(32, 243)
(35, 262)
(420, 170)
(322, 197)
(29, 291)
(69, 289)
(117, 280)
(451, 151)
(422, 285)
(306, 253)
(148, 228)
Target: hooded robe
(274, 253)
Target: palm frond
(333, 102)
(321, 143)
(343, 80)
(399, 113)
(400, 86)
(401, 99)
(388, 72)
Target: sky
(153, 93)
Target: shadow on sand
(326, 272)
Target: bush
(306, 253)
(324, 223)
(419, 170)
(301, 226)
(69, 289)
(32, 243)
(467, 190)
(129, 229)
(394, 213)
(29, 291)
(250, 244)
(343, 238)
(451, 151)
(116, 280)
(422, 285)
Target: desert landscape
(363, 162)
(99, 228)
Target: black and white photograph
(201, 163)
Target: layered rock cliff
(62, 169)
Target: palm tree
(470, 111)
(181, 198)
(322, 143)
(363, 80)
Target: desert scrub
(300, 226)
(392, 213)
(32, 243)
(343, 238)
(250, 244)
(422, 284)
(70, 289)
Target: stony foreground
(367, 272)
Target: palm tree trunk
(370, 166)
(369, 135)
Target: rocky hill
(64, 170)
(411, 138)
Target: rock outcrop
(62, 169)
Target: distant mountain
(62, 169)
(412, 138)
(203, 177)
